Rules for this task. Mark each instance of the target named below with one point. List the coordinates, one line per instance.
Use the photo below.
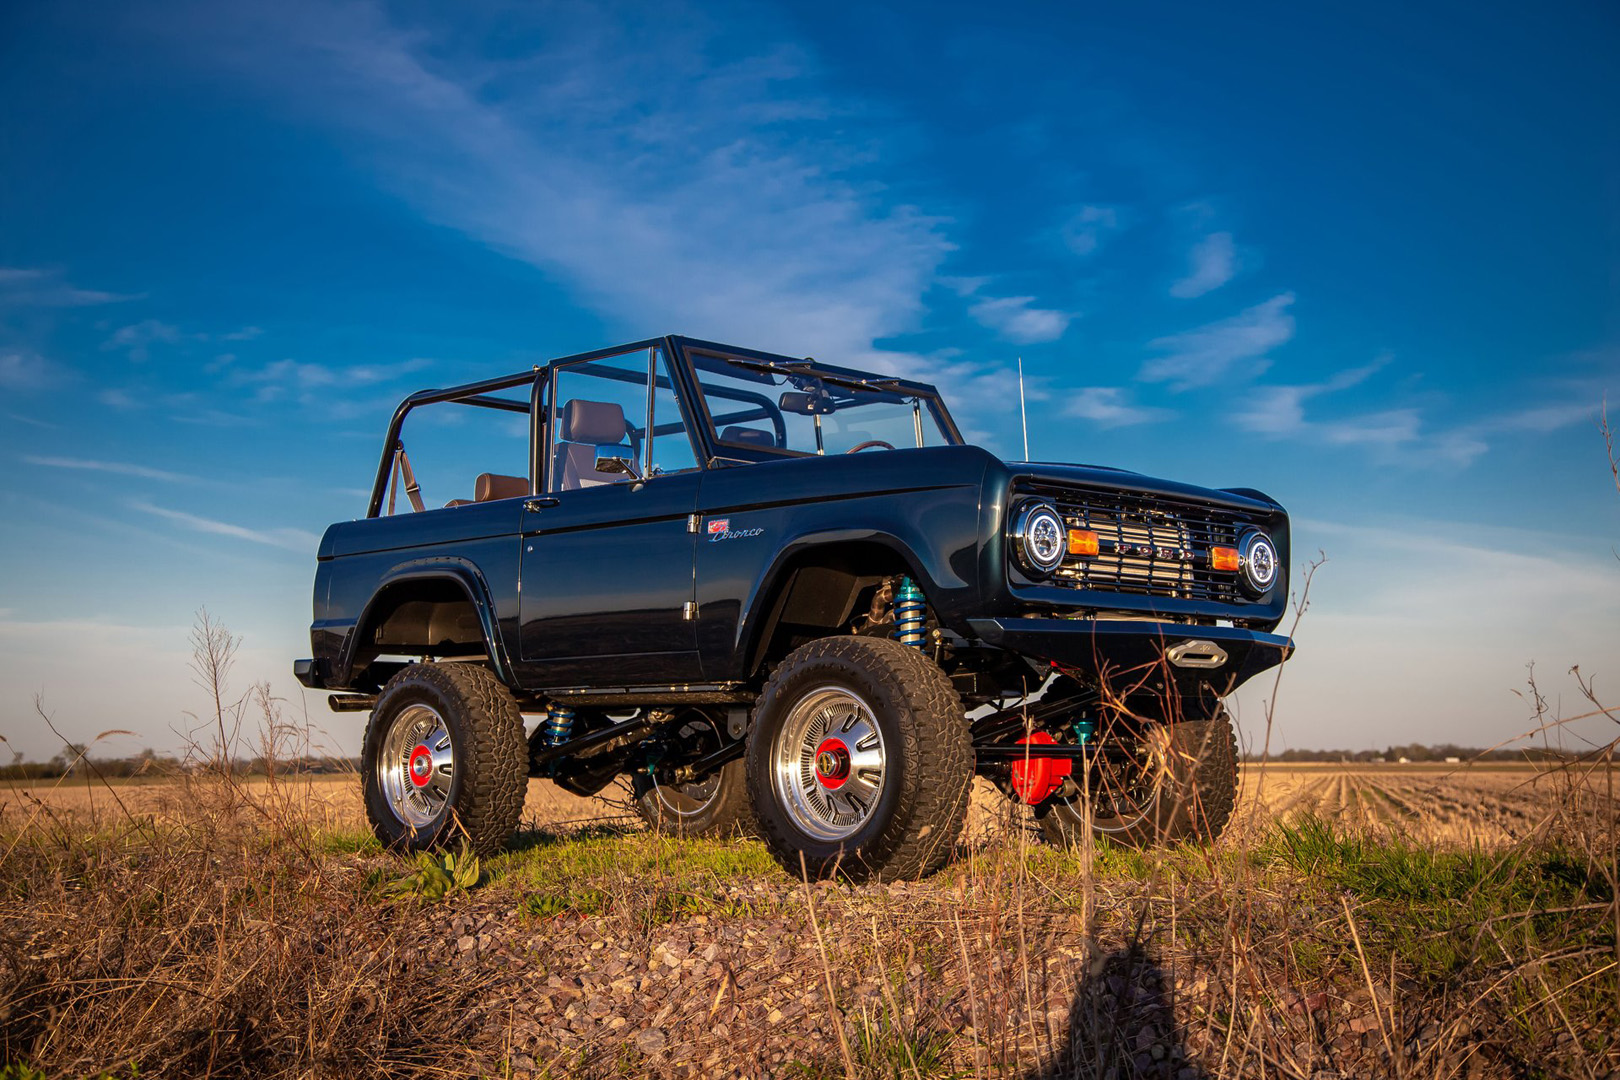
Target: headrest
(598, 422)
(490, 486)
(752, 436)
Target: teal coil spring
(559, 724)
(910, 613)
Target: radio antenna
(1022, 414)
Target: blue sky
(1367, 259)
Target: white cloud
(1279, 411)
(1014, 319)
(1208, 354)
(118, 399)
(687, 194)
(1395, 435)
(33, 287)
(123, 468)
(1109, 406)
(1083, 233)
(299, 540)
(21, 370)
(283, 377)
(1212, 262)
(138, 338)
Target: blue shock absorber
(559, 724)
(1085, 729)
(910, 611)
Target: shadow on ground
(1122, 1026)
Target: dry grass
(206, 927)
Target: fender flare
(464, 573)
(755, 609)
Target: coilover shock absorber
(910, 611)
(559, 724)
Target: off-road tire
(1197, 791)
(727, 810)
(491, 758)
(921, 809)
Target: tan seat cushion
(491, 486)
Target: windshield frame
(717, 450)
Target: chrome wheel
(417, 766)
(828, 764)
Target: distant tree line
(1417, 753)
(74, 762)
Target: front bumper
(1221, 657)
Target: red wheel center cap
(421, 766)
(832, 763)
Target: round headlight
(1258, 558)
(1040, 539)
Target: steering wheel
(868, 444)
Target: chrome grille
(1147, 545)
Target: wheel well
(433, 617)
(820, 592)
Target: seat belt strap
(413, 491)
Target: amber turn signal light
(1223, 558)
(1084, 542)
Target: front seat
(584, 428)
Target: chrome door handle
(534, 505)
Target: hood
(1107, 478)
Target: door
(607, 551)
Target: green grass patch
(1442, 911)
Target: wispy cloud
(34, 287)
(1014, 318)
(1083, 233)
(1110, 406)
(1208, 354)
(118, 399)
(1211, 264)
(22, 370)
(290, 539)
(123, 468)
(137, 339)
(1399, 435)
(1279, 411)
(760, 224)
(282, 378)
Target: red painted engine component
(1037, 778)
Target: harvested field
(1358, 922)
(1491, 804)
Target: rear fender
(464, 574)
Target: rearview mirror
(807, 404)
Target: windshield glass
(793, 407)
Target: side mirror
(807, 404)
(614, 463)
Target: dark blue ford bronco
(783, 597)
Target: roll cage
(697, 417)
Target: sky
(1363, 257)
